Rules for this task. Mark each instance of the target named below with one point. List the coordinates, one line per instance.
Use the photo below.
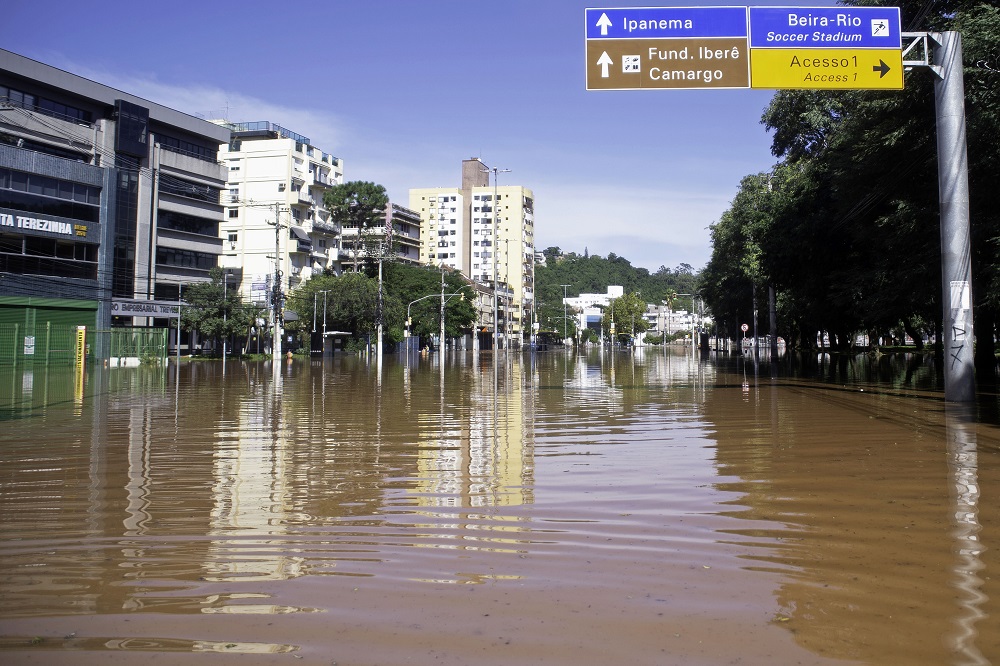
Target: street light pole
(564, 286)
(493, 243)
(442, 312)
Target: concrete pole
(953, 188)
(378, 336)
(442, 314)
(277, 335)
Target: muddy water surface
(588, 509)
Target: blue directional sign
(825, 27)
(666, 22)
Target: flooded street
(571, 509)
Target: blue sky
(404, 90)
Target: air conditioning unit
(296, 270)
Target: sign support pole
(953, 189)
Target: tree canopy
(215, 311)
(350, 302)
(358, 207)
(845, 227)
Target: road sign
(840, 48)
(667, 47)
(666, 22)
(847, 48)
(744, 328)
(618, 64)
(825, 27)
(844, 69)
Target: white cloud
(325, 130)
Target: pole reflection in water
(963, 464)
(577, 506)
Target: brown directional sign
(700, 62)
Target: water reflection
(840, 520)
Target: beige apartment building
(274, 172)
(457, 230)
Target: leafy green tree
(851, 238)
(626, 312)
(359, 208)
(350, 302)
(216, 312)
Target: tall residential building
(406, 232)
(458, 231)
(105, 198)
(274, 173)
(404, 226)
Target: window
(234, 212)
(452, 232)
(281, 187)
(233, 238)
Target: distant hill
(591, 273)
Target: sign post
(809, 48)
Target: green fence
(56, 345)
(48, 344)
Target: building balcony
(177, 160)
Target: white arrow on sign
(605, 61)
(604, 23)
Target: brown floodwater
(569, 509)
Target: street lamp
(444, 299)
(315, 299)
(564, 286)
(225, 311)
(496, 320)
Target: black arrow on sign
(882, 67)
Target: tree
(851, 240)
(627, 313)
(359, 208)
(215, 311)
(350, 302)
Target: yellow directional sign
(836, 69)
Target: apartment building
(105, 199)
(483, 231)
(402, 225)
(275, 184)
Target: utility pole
(564, 286)
(442, 313)
(277, 296)
(493, 243)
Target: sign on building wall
(124, 307)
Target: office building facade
(105, 198)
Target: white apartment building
(458, 231)
(276, 173)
